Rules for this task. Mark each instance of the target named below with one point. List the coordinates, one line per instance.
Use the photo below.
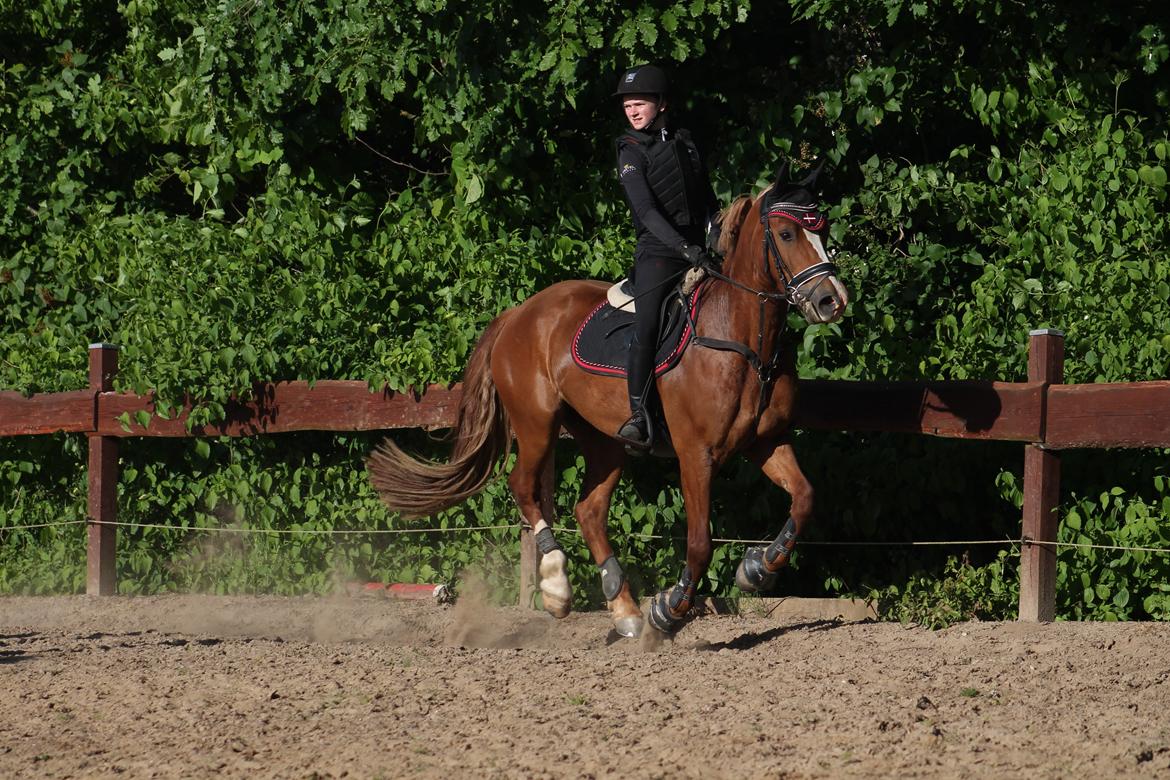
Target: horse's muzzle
(825, 302)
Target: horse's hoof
(751, 576)
(555, 591)
(630, 626)
(659, 615)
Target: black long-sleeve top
(655, 231)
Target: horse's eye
(785, 235)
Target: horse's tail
(418, 488)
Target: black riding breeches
(655, 276)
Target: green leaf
(995, 169)
(474, 189)
(1153, 175)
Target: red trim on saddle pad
(662, 367)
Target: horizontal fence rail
(1135, 414)
(1006, 411)
(273, 407)
(1043, 414)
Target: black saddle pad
(603, 339)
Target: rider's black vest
(674, 172)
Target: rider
(673, 206)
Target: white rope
(717, 540)
(878, 544)
(961, 542)
(354, 531)
(331, 532)
(1162, 550)
(41, 525)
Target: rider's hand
(695, 255)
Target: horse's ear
(782, 175)
(809, 182)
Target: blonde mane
(732, 219)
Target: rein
(793, 291)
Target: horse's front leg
(669, 607)
(760, 565)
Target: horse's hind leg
(604, 459)
(760, 566)
(535, 438)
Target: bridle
(794, 289)
(796, 286)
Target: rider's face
(642, 110)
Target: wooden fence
(1043, 414)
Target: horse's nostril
(827, 303)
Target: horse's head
(793, 225)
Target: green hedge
(234, 192)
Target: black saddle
(602, 341)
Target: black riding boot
(635, 432)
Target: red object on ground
(440, 594)
(402, 590)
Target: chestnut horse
(733, 391)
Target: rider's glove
(695, 255)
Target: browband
(813, 220)
(808, 216)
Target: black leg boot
(635, 432)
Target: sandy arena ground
(193, 686)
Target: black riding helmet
(644, 79)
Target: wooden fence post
(1041, 488)
(101, 560)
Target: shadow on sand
(754, 638)
(8, 656)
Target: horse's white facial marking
(555, 591)
(815, 240)
(807, 306)
(842, 294)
